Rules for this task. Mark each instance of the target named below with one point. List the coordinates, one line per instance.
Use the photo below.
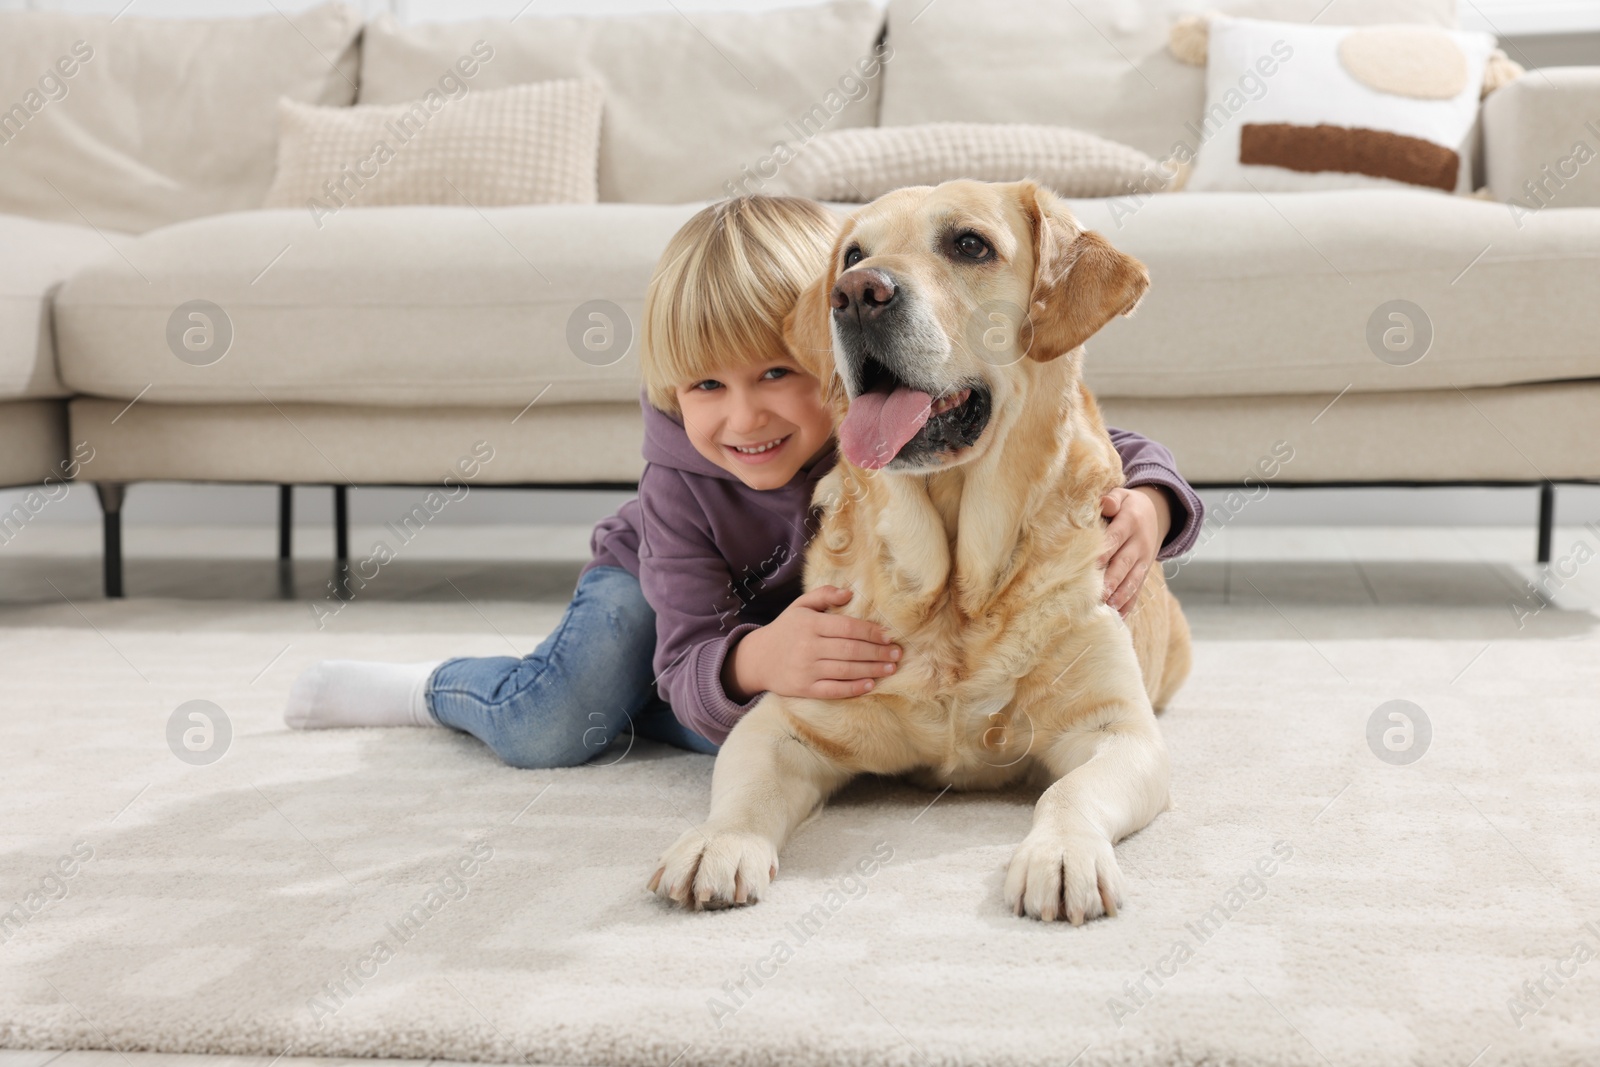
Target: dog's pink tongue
(879, 424)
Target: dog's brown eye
(852, 256)
(972, 246)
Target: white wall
(1506, 17)
(1516, 18)
(406, 10)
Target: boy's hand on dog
(810, 651)
(1140, 518)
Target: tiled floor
(533, 562)
(1346, 580)
(1310, 583)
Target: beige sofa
(387, 344)
(33, 410)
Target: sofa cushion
(382, 305)
(696, 104)
(35, 257)
(130, 123)
(1307, 293)
(1096, 65)
(1250, 295)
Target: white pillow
(527, 144)
(1295, 107)
(854, 166)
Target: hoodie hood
(667, 444)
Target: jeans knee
(539, 739)
(631, 632)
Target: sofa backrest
(695, 102)
(131, 123)
(1101, 66)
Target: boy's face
(762, 422)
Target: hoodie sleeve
(687, 583)
(1146, 462)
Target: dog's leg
(1113, 781)
(765, 782)
(1160, 639)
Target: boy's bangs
(726, 281)
(702, 330)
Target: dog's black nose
(863, 293)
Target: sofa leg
(341, 523)
(286, 542)
(111, 495)
(1547, 518)
(285, 522)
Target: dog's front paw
(1064, 876)
(709, 868)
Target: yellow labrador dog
(965, 514)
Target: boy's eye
(779, 371)
(706, 385)
(852, 256)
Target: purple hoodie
(717, 559)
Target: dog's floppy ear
(807, 333)
(1080, 281)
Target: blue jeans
(565, 701)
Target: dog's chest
(973, 733)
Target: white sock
(351, 692)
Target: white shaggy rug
(399, 893)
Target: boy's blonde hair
(723, 286)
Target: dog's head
(936, 300)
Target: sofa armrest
(1542, 140)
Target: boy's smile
(760, 453)
(761, 423)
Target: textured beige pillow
(527, 144)
(135, 123)
(854, 166)
(697, 102)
